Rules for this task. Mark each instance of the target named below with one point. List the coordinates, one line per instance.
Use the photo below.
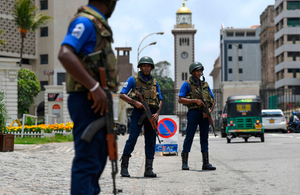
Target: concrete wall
(9, 84)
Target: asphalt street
(270, 167)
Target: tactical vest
(102, 55)
(147, 89)
(195, 94)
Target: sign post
(167, 127)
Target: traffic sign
(167, 127)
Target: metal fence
(288, 100)
(172, 107)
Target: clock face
(184, 55)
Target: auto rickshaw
(244, 117)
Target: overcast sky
(133, 20)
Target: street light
(138, 51)
(238, 68)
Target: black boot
(124, 166)
(148, 168)
(206, 165)
(184, 157)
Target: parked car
(274, 119)
(224, 121)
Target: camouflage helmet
(146, 60)
(195, 66)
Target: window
(293, 22)
(43, 83)
(61, 77)
(44, 59)
(229, 34)
(186, 76)
(250, 34)
(230, 70)
(240, 46)
(44, 31)
(240, 70)
(293, 73)
(240, 58)
(229, 46)
(293, 5)
(184, 41)
(44, 4)
(239, 34)
(26, 61)
(229, 58)
(182, 76)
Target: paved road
(272, 167)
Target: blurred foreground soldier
(147, 86)
(190, 96)
(85, 48)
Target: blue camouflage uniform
(195, 118)
(150, 136)
(90, 158)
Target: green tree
(161, 72)
(28, 88)
(2, 42)
(26, 19)
(166, 85)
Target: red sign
(167, 127)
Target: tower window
(44, 59)
(229, 58)
(186, 76)
(44, 4)
(229, 46)
(182, 76)
(184, 41)
(230, 70)
(240, 58)
(44, 31)
(240, 70)
(240, 46)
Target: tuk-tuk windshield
(244, 109)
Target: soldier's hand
(205, 115)
(100, 100)
(155, 117)
(199, 102)
(139, 105)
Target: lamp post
(238, 68)
(138, 51)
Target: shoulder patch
(78, 30)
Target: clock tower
(183, 32)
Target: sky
(133, 20)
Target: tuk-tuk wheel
(246, 139)
(262, 138)
(228, 140)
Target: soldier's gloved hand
(155, 117)
(139, 105)
(100, 100)
(199, 102)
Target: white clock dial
(184, 55)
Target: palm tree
(2, 42)
(26, 19)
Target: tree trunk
(21, 53)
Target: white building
(287, 44)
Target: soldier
(87, 46)
(190, 97)
(147, 86)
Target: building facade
(267, 48)
(215, 73)
(184, 52)
(125, 67)
(287, 44)
(240, 54)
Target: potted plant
(6, 140)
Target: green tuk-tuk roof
(246, 98)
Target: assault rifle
(205, 109)
(108, 122)
(148, 114)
